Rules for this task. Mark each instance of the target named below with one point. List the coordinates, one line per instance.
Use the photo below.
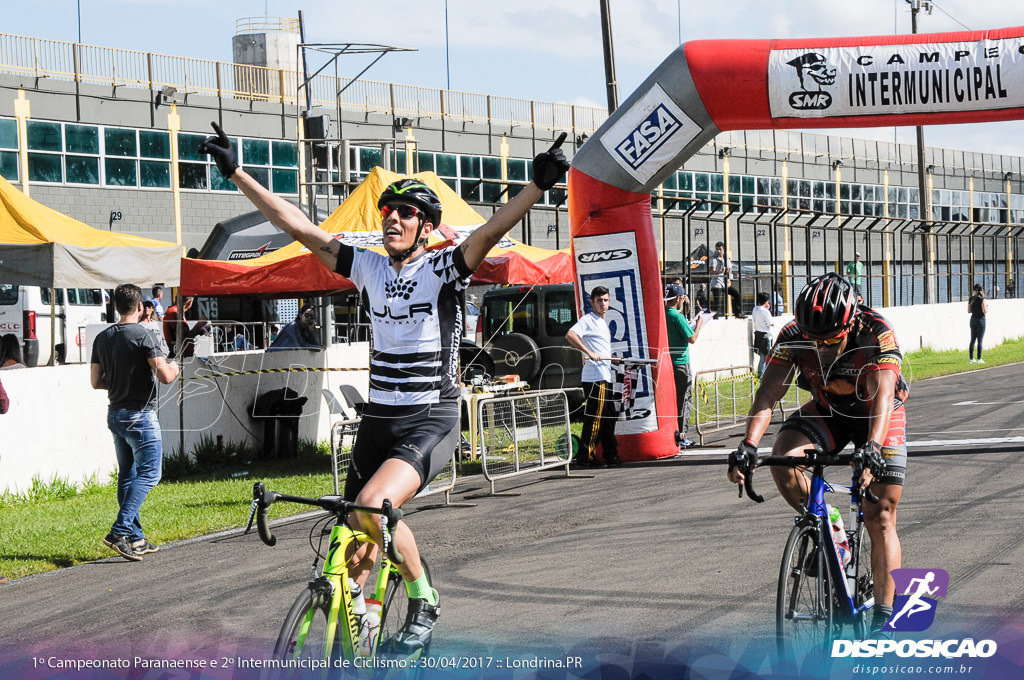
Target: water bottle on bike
(835, 518)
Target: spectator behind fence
(592, 336)
(978, 310)
(127, 362)
(10, 352)
(240, 343)
(855, 272)
(299, 334)
(1011, 289)
(720, 268)
(156, 297)
(150, 322)
(778, 305)
(201, 327)
(762, 317)
(680, 336)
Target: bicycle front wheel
(302, 643)
(864, 590)
(804, 614)
(396, 605)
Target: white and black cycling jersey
(416, 316)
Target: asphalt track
(651, 568)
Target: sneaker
(121, 546)
(614, 462)
(686, 443)
(143, 547)
(980, 361)
(416, 633)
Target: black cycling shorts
(831, 432)
(425, 436)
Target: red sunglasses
(404, 211)
(831, 340)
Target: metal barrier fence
(39, 58)
(906, 261)
(739, 382)
(522, 434)
(344, 431)
(724, 412)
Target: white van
(26, 312)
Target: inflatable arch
(709, 86)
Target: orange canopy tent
(293, 270)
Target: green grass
(55, 524)
(918, 365)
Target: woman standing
(978, 309)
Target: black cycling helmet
(416, 192)
(826, 305)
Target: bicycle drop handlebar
(814, 457)
(263, 498)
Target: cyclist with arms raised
(848, 357)
(410, 425)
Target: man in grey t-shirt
(127, 362)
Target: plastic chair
(353, 398)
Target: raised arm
(548, 168)
(282, 214)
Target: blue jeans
(140, 455)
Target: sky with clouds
(530, 49)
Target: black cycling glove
(550, 167)
(873, 459)
(219, 147)
(744, 457)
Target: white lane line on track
(921, 443)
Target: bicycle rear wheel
(804, 614)
(302, 642)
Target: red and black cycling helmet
(826, 305)
(416, 192)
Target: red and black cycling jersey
(841, 385)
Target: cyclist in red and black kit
(847, 356)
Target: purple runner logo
(915, 603)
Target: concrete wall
(57, 424)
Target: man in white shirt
(592, 336)
(762, 318)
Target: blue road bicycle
(818, 596)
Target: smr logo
(812, 69)
(604, 255)
(913, 610)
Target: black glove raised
(744, 457)
(219, 147)
(873, 459)
(549, 167)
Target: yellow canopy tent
(42, 247)
(293, 270)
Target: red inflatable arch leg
(705, 87)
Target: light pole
(922, 186)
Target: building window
(9, 140)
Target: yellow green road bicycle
(322, 630)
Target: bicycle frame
(335, 573)
(816, 507)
